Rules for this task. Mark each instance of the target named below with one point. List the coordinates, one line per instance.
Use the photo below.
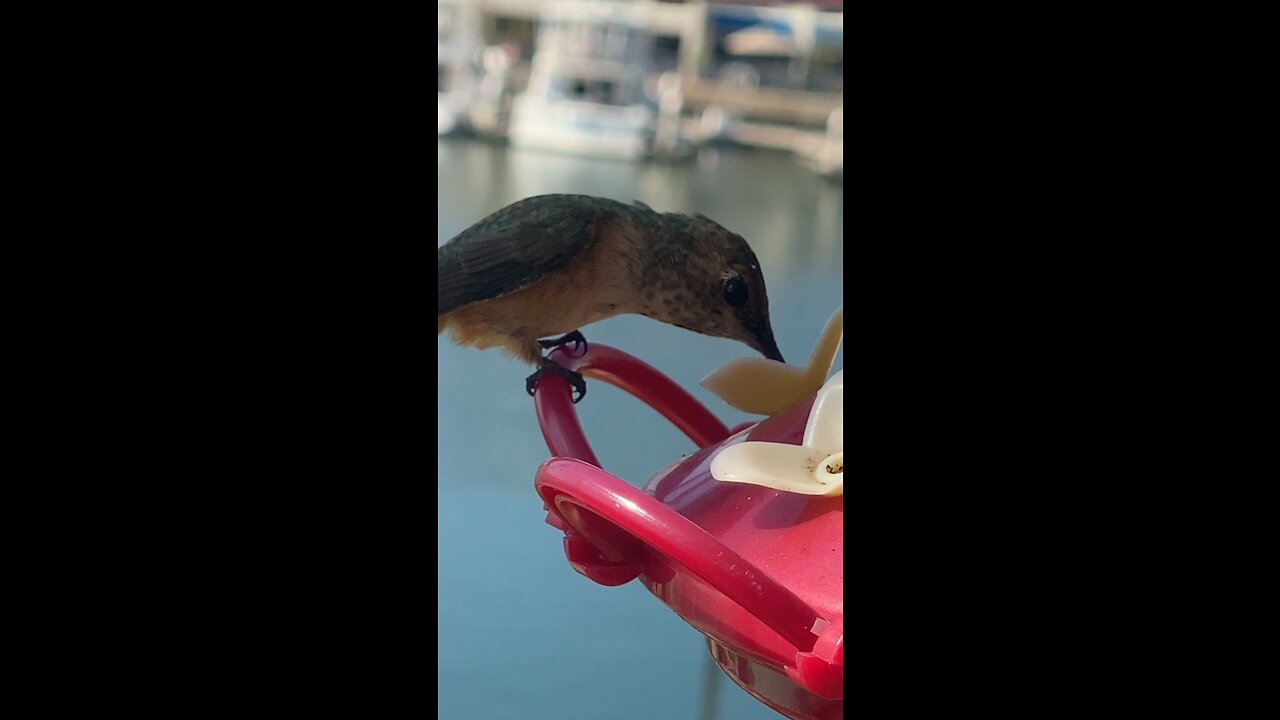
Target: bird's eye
(735, 292)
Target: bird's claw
(574, 337)
(580, 385)
(575, 379)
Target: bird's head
(706, 278)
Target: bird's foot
(574, 378)
(574, 337)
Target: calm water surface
(522, 636)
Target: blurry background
(732, 111)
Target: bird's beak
(768, 347)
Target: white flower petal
(775, 465)
(824, 432)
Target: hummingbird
(550, 264)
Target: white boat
(830, 159)
(459, 36)
(586, 85)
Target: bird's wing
(511, 249)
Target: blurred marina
(645, 80)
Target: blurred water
(522, 636)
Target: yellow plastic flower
(768, 387)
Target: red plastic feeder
(758, 571)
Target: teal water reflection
(522, 636)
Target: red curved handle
(559, 420)
(563, 480)
(605, 518)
